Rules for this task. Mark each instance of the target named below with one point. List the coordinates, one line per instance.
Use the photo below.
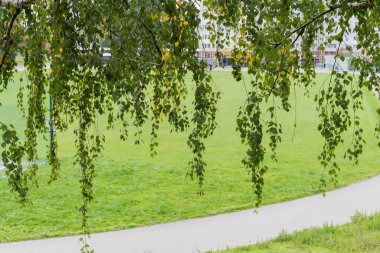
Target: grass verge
(360, 236)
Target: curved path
(225, 230)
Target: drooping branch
(20, 5)
(148, 29)
(7, 37)
(153, 36)
(10, 26)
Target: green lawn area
(132, 189)
(360, 236)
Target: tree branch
(147, 28)
(7, 37)
(154, 38)
(274, 84)
(20, 5)
(369, 4)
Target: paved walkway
(225, 230)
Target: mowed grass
(132, 189)
(360, 236)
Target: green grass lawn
(132, 189)
(360, 236)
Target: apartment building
(207, 51)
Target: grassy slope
(132, 189)
(361, 236)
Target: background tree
(153, 45)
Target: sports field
(133, 189)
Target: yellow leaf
(249, 60)
(176, 44)
(181, 16)
(290, 57)
(239, 55)
(153, 16)
(243, 32)
(165, 16)
(179, 3)
(165, 55)
(185, 23)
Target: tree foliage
(264, 35)
(153, 45)
(153, 49)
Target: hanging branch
(20, 5)
(7, 37)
